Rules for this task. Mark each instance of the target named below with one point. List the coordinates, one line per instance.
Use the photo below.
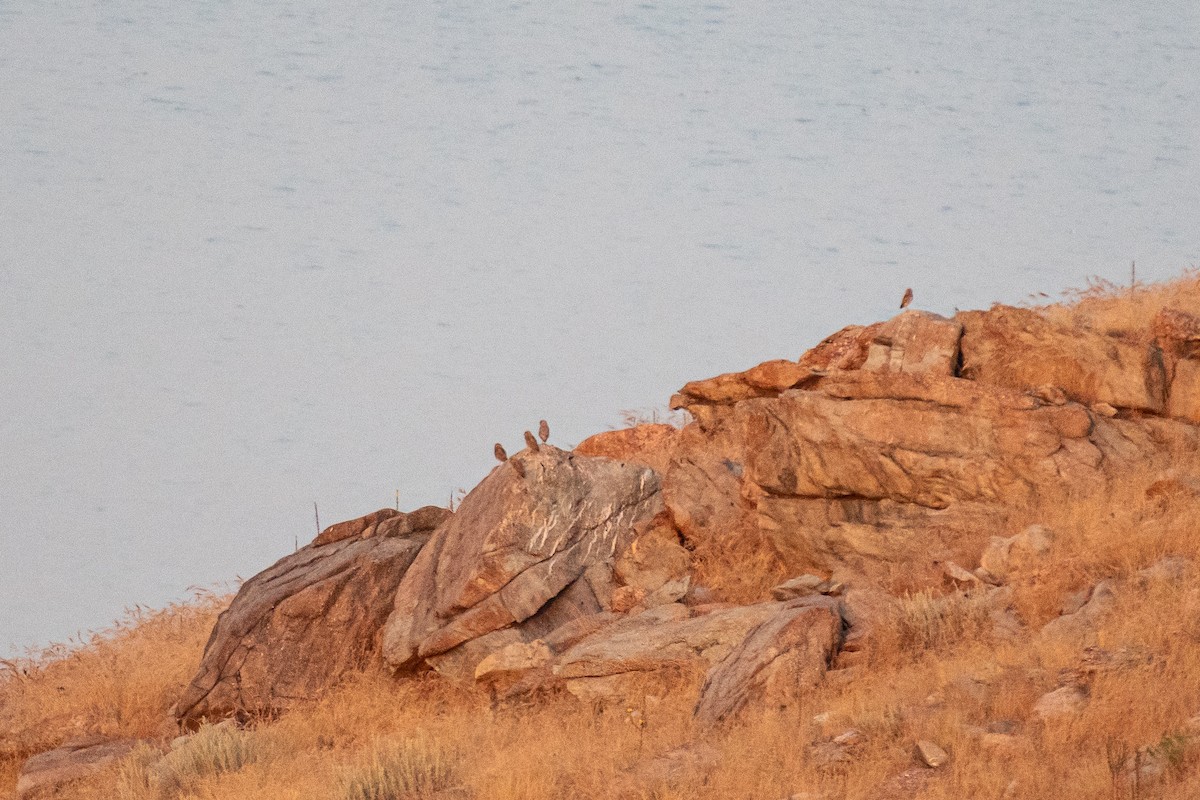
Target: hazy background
(259, 254)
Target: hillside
(929, 558)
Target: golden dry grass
(940, 671)
(1124, 310)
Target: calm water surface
(259, 254)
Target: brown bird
(907, 298)
(531, 442)
(543, 430)
(501, 455)
(519, 467)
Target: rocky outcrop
(897, 443)
(650, 445)
(1177, 334)
(878, 463)
(298, 627)
(385, 522)
(775, 664)
(762, 653)
(865, 470)
(516, 556)
(352, 527)
(47, 773)
(1020, 348)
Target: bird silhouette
(907, 298)
(501, 455)
(543, 430)
(531, 442)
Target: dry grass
(120, 683)
(941, 671)
(1124, 310)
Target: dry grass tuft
(1123, 310)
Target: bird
(531, 442)
(501, 455)
(907, 298)
(519, 467)
(543, 430)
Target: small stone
(800, 586)
(1104, 410)
(1166, 570)
(931, 754)
(848, 738)
(959, 575)
(1062, 702)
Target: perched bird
(531, 442)
(519, 467)
(907, 298)
(501, 455)
(543, 430)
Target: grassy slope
(939, 672)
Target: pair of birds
(530, 442)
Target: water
(257, 255)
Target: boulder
(518, 552)
(655, 568)
(775, 664)
(932, 755)
(650, 445)
(762, 652)
(1005, 555)
(1183, 401)
(1177, 334)
(844, 477)
(767, 379)
(1021, 348)
(663, 636)
(46, 773)
(1064, 702)
(845, 350)
(299, 626)
(352, 527)
(1082, 626)
(915, 343)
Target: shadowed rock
(296, 628)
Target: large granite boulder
(531, 548)
(301, 625)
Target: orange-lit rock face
(516, 543)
